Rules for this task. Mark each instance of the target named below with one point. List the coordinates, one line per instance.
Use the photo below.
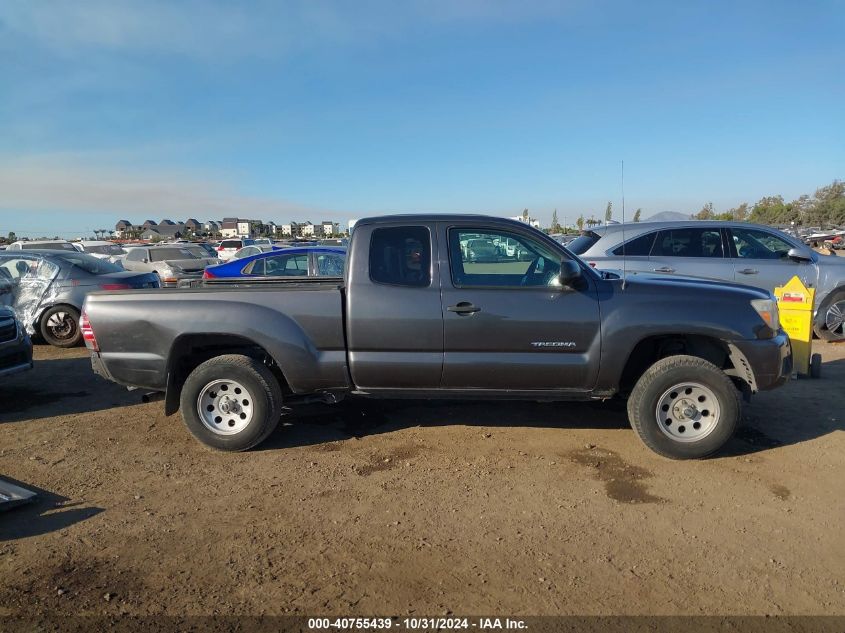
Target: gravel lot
(416, 508)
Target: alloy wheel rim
(61, 325)
(687, 412)
(834, 318)
(225, 407)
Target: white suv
(228, 248)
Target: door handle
(464, 307)
(748, 271)
(664, 269)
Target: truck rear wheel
(684, 407)
(231, 402)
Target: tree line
(825, 208)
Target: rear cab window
(401, 256)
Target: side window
(330, 265)
(15, 268)
(688, 242)
(136, 255)
(401, 256)
(756, 244)
(255, 267)
(286, 266)
(481, 258)
(637, 247)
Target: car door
(393, 314)
(694, 251)
(760, 259)
(508, 325)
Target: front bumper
(768, 360)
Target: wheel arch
(650, 349)
(191, 350)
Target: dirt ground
(414, 507)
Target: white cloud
(223, 30)
(48, 183)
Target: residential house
(307, 229)
(193, 226)
(229, 227)
(291, 229)
(329, 229)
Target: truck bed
(300, 321)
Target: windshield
(185, 252)
(105, 249)
(50, 246)
(89, 263)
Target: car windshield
(89, 263)
(50, 246)
(105, 249)
(183, 252)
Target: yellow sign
(795, 304)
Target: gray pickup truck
(415, 316)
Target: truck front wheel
(231, 402)
(684, 407)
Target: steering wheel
(529, 274)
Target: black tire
(658, 381)
(821, 328)
(264, 398)
(59, 326)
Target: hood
(694, 285)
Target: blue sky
(333, 110)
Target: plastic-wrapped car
(46, 289)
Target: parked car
(255, 249)
(51, 245)
(745, 253)
(228, 248)
(46, 289)
(297, 261)
(15, 346)
(415, 318)
(101, 249)
(481, 250)
(170, 263)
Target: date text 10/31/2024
(421, 623)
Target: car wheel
(684, 407)
(231, 402)
(60, 326)
(832, 326)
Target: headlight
(768, 311)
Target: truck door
(393, 316)
(508, 324)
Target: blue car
(304, 261)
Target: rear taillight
(88, 333)
(115, 286)
(207, 274)
(220, 249)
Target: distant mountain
(668, 216)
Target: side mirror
(570, 272)
(798, 255)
